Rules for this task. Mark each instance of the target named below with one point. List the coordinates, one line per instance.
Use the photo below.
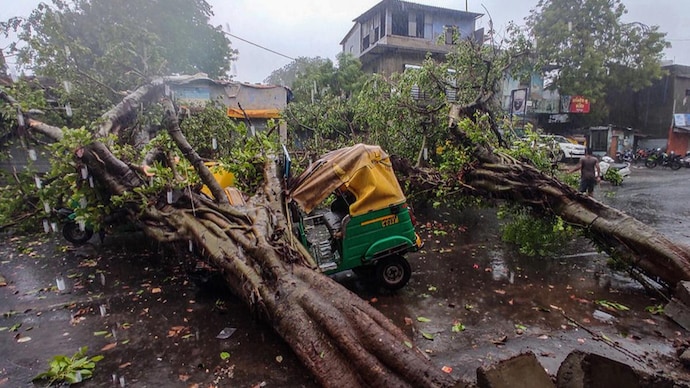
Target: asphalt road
(472, 301)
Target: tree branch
(190, 153)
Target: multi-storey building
(396, 34)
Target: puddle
(164, 317)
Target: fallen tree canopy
(341, 339)
(497, 175)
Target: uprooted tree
(339, 337)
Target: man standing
(590, 174)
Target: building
(658, 114)
(258, 103)
(396, 34)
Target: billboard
(518, 102)
(574, 104)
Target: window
(383, 24)
(599, 140)
(452, 33)
(400, 25)
(420, 25)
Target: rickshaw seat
(333, 221)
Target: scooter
(607, 163)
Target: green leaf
(101, 333)
(423, 319)
(224, 355)
(612, 305)
(408, 344)
(427, 336)
(458, 327)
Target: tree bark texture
(341, 339)
(499, 176)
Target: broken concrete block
(683, 292)
(522, 371)
(589, 370)
(679, 312)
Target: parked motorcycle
(73, 231)
(641, 155)
(79, 233)
(685, 161)
(663, 159)
(626, 156)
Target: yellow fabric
(223, 177)
(254, 113)
(364, 170)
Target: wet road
(159, 324)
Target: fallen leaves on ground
(109, 346)
(177, 330)
(500, 340)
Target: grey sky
(315, 27)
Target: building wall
(389, 37)
(657, 103)
(230, 94)
(352, 43)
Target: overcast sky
(313, 28)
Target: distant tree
(287, 74)
(99, 49)
(3, 65)
(324, 113)
(594, 49)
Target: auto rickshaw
(367, 228)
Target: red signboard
(579, 104)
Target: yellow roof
(364, 170)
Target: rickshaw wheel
(393, 272)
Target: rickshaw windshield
(363, 170)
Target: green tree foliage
(288, 74)
(593, 49)
(323, 113)
(407, 114)
(95, 50)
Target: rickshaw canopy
(363, 170)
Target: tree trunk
(622, 236)
(339, 337)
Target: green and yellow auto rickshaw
(367, 228)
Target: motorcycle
(626, 156)
(664, 160)
(75, 232)
(79, 233)
(685, 161)
(641, 155)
